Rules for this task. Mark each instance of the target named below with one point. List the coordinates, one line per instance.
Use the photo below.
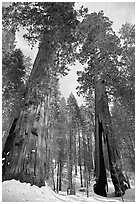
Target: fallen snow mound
(14, 191)
(130, 195)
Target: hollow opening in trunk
(101, 183)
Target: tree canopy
(52, 22)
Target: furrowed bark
(26, 159)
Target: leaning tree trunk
(104, 128)
(25, 160)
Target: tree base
(119, 193)
(71, 191)
(100, 190)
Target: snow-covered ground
(14, 191)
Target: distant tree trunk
(75, 154)
(81, 180)
(60, 176)
(104, 128)
(70, 162)
(87, 182)
(48, 164)
(71, 188)
(85, 159)
(89, 157)
(54, 187)
(26, 158)
(60, 170)
(57, 183)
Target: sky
(118, 12)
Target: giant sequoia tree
(99, 49)
(51, 24)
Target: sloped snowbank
(130, 195)
(14, 191)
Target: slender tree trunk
(75, 154)
(60, 175)
(70, 162)
(89, 156)
(87, 182)
(53, 178)
(85, 162)
(81, 180)
(60, 169)
(71, 188)
(54, 187)
(57, 187)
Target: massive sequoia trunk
(25, 158)
(103, 129)
(101, 179)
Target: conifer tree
(99, 49)
(51, 24)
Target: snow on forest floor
(14, 191)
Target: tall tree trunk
(104, 127)
(85, 159)
(57, 183)
(26, 158)
(75, 154)
(60, 175)
(101, 179)
(71, 187)
(81, 180)
(60, 169)
(53, 178)
(54, 187)
(89, 156)
(70, 162)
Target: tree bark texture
(104, 130)
(101, 179)
(26, 156)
